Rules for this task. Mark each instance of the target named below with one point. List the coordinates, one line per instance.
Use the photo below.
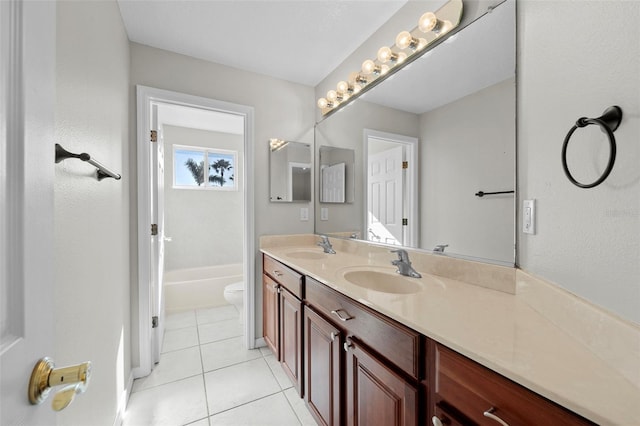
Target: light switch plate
(324, 213)
(529, 216)
(304, 214)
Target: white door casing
(27, 61)
(385, 189)
(158, 240)
(146, 96)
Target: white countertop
(497, 329)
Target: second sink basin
(384, 281)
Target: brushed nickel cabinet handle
(436, 421)
(347, 345)
(277, 273)
(489, 414)
(334, 335)
(342, 317)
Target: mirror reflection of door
(391, 184)
(385, 185)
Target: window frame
(206, 185)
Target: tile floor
(205, 377)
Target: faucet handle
(402, 255)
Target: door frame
(145, 97)
(410, 196)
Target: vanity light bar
(431, 26)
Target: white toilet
(234, 294)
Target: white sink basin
(383, 281)
(306, 254)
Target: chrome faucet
(440, 248)
(404, 264)
(326, 245)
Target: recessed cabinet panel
(270, 314)
(284, 275)
(323, 367)
(291, 337)
(376, 395)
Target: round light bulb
(445, 27)
(422, 43)
(368, 67)
(322, 103)
(384, 68)
(401, 57)
(343, 86)
(356, 78)
(404, 40)
(332, 95)
(385, 54)
(356, 88)
(427, 22)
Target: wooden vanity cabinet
(465, 392)
(379, 359)
(282, 317)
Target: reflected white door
(158, 240)
(385, 191)
(26, 204)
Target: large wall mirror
(289, 171)
(428, 141)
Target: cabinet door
(270, 314)
(376, 395)
(322, 369)
(291, 337)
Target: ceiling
(300, 41)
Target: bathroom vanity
(450, 352)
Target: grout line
(250, 402)
(295, 412)
(204, 382)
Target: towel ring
(608, 122)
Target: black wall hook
(608, 122)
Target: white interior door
(333, 183)
(385, 189)
(158, 240)
(27, 59)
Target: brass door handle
(45, 376)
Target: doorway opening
(195, 163)
(391, 181)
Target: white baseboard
(124, 401)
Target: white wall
(460, 157)
(206, 226)
(282, 110)
(92, 218)
(576, 58)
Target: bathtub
(197, 288)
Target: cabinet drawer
(284, 275)
(397, 343)
(473, 389)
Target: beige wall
(281, 109)
(570, 66)
(206, 226)
(92, 218)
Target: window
(191, 164)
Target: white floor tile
(173, 366)
(225, 353)
(266, 351)
(272, 410)
(180, 338)
(206, 316)
(236, 385)
(203, 422)
(176, 403)
(181, 320)
(299, 407)
(283, 380)
(220, 330)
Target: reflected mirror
(336, 170)
(442, 130)
(289, 171)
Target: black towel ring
(608, 122)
